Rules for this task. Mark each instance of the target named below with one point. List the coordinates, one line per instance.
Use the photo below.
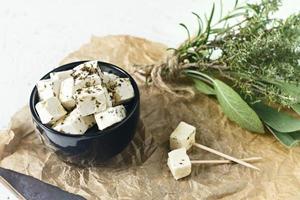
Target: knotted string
(163, 77)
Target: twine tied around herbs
(163, 77)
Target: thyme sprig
(254, 55)
(250, 62)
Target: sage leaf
(236, 108)
(203, 87)
(280, 121)
(291, 89)
(287, 139)
(296, 108)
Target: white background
(36, 34)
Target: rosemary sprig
(248, 65)
(249, 61)
(254, 55)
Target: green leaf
(217, 30)
(236, 108)
(291, 89)
(232, 16)
(197, 74)
(296, 108)
(221, 8)
(203, 87)
(236, 3)
(208, 26)
(279, 121)
(287, 139)
(187, 31)
(200, 23)
(171, 49)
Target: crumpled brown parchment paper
(140, 172)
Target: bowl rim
(99, 133)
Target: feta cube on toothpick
(184, 137)
(179, 163)
(110, 116)
(123, 90)
(48, 88)
(74, 124)
(50, 110)
(91, 100)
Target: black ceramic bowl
(94, 146)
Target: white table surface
(36, 34)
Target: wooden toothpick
(184, 137)
(223, 161)
(225, 156)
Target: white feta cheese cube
(89, 120)
(88, 81)
(109, 79)
(88, 68)
(179, 163)
(58, 124)
(87, 74)
(90, 100)
(62, 75)
(50, 110)
(48, 88)
(108, 98)
(66, 93)
(123, 90)
(110, 116)
(73, 123)
(183, 136)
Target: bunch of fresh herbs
(251, 66)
